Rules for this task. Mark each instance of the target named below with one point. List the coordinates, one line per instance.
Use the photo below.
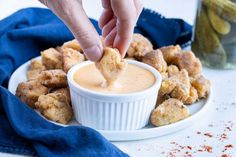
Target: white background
(222, 111)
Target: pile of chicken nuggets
(183, 84)
(46, 89)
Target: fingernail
(93, 53)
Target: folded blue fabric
(22, 36)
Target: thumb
(74, 16)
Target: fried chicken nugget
(156, 60)
(182, 88)
(187, 60)
(167, 86)
(29, 92)
(55, 107)
(139, 46)
(193, 96)
(52, 59)
(53, 78)
(170, 111)
(169, 53)
(71, 57)
(202, 85)
(65, 91)
(73, 44)
(111, 65)
(35, 68)
(172, 70)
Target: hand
(117, 23)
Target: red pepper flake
(223, 137)
(229, 146)
(228, 128)
(208, 135)
(188, 154)
(189, 147)
(198, 132)
(224, 155)
(207, 148)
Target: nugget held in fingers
(111, 65)
(55, 107)
(52, 59)
(202, 85)
(73, 44)
(170, 111)
(35, 69)
(139, 46)
(70, 58)
(53, 78)
(169, 53)
(156, 60)
(187, 60)
(29, 92)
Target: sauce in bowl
(134, 79)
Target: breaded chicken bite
(52, 59)
(139, 46)
(182, 88)
(187, 60)
(111, 65)
(53, 78)
(202, 85)
(35, 68)
(167, 86)
(193, 96)
(156, 60)
(29, 92)
(55, 107)
(36, 65)
(172, 70)
(65, 91)
(73, 44)
(70, 58)
(170, 111)
(169, 53)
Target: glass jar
(215, 33)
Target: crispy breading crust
(55, 107)
(53, 78)
(139, 46)
(156, 60)
(52, 59)
(35, 68)
(70, 58)
(170, 111)
(187, 60)
(73, 44)
(169, 53)
(111, 65)
(182, 88)
(29, 92)
(202, 85)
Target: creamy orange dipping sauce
(134, 79)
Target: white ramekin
(113, 111)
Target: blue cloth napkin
(22, 36)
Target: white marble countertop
(219, 126)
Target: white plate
(197, 110)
